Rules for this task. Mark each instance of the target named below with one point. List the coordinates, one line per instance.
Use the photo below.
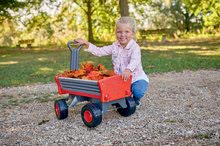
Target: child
(126, 56)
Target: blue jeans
(138, 89)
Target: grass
(178, 56)
(28, 66)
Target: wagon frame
(100, 94)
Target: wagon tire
(61, 109)
(91, 115)
(130, 109)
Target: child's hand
(126, 74)
(80, 41)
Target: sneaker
(138, 103)
(138, 106)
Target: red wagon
(111, 91)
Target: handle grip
(70, 43)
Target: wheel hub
(88, 116)
(57, 109)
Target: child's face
(124, 34)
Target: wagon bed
(107, 89)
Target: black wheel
(61, 109)
(91, 115)
(130, 109)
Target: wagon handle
(74, 55)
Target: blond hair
(127, 20)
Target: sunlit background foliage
(54, 22)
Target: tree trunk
(187, 22)
(89, 16)
(123, 4)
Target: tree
(92, 7)
(6, 6)
(177, 14)
(188, 15)
(41, 21)
(8, 31)
(89, 7)
(73, 18)
(124, 9)
(104, 21)
(210, 12)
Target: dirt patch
(179, 109)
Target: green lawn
(22, 66)
(178, 56)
